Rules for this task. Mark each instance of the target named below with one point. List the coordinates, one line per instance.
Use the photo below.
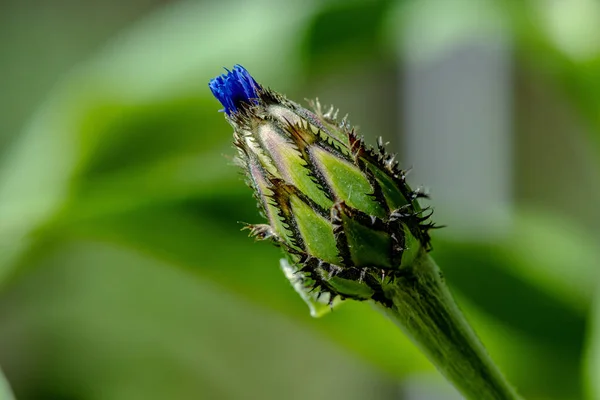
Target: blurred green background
(123, 271)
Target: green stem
(421, 304)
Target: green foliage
(5, 392)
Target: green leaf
(201, 236)
(592, 353)
(133, 140)
(5, 391)
(538, 281)
(119, 324)
(197, 236)
(132, 120)
(343, 32)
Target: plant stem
(420, 303)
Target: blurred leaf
(479, 272)
(538, 280)
(196, 236)
(98, 321)
(135, 128)
(592, 355)
(5, 391)
(545, 337)
(548, 266)
(345, 33)
(530, 365)
(102, 113)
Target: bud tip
(234, 88)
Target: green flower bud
(350, 225)
(342, 211)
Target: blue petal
(234, 88)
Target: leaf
(548, 266)
(539, 281)
(5, 391)
(99, 125)
(196, 236)
(115, 323)
(128, 143)
(342, 33)
(201, 236)
(592, 353)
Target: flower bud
(342, 211)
